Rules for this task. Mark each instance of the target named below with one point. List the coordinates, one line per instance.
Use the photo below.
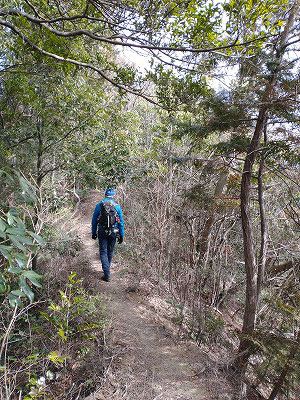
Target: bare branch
(75, 62)
(94, 36)
(21, 141)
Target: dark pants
(106, 249)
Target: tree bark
(263, 224)
(39, 178)
(244, 352)
(288, 367)
(39, 162)
(205, 236)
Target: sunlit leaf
(18, 293)
(15, 270)
(35, 282)
(32, 274)
(37, 237)
(29, 293)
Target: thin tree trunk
(241, 361)
(205, 236)
(263, 224)
(288, 367)
(39, 178)
(53, 181)
(39, 162)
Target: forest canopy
(204, 143)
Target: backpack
(108, 216)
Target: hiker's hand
(120, 239)
(94, 236)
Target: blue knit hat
(110, 192)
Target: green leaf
(20, 223)
(14, 270)
(15, 231)
(22, 260)
(2, 288)
(18, 293)
(62, 334)
(5, 250)
(56, 358)
(17, 243)
(35, 282)
(32, 274)
(29, 293)
(54, 307)
(10, 260)
(28, 193)
(45, 315)
(22, 282)
(34, 356)
(10, 218)
(63, 295)
(13, 300)
(38, 238)
(72, 276)
(24, 240)
(3, 225)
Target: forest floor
(148, 363)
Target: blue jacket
(120, 224)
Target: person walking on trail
(108, 217)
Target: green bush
(55, 339)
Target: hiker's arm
(121, 223)
(94, 219)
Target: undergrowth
(57, 345)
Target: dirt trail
(148, 364)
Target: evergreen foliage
(204, 149)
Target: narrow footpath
(148, 365)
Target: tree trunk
(263, 224)
(241, 361)
(39, 178)
(288, 367)
(205, 236)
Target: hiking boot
(105, 278)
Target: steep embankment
(147, 363)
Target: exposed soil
(148, 364)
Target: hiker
(109, 218)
